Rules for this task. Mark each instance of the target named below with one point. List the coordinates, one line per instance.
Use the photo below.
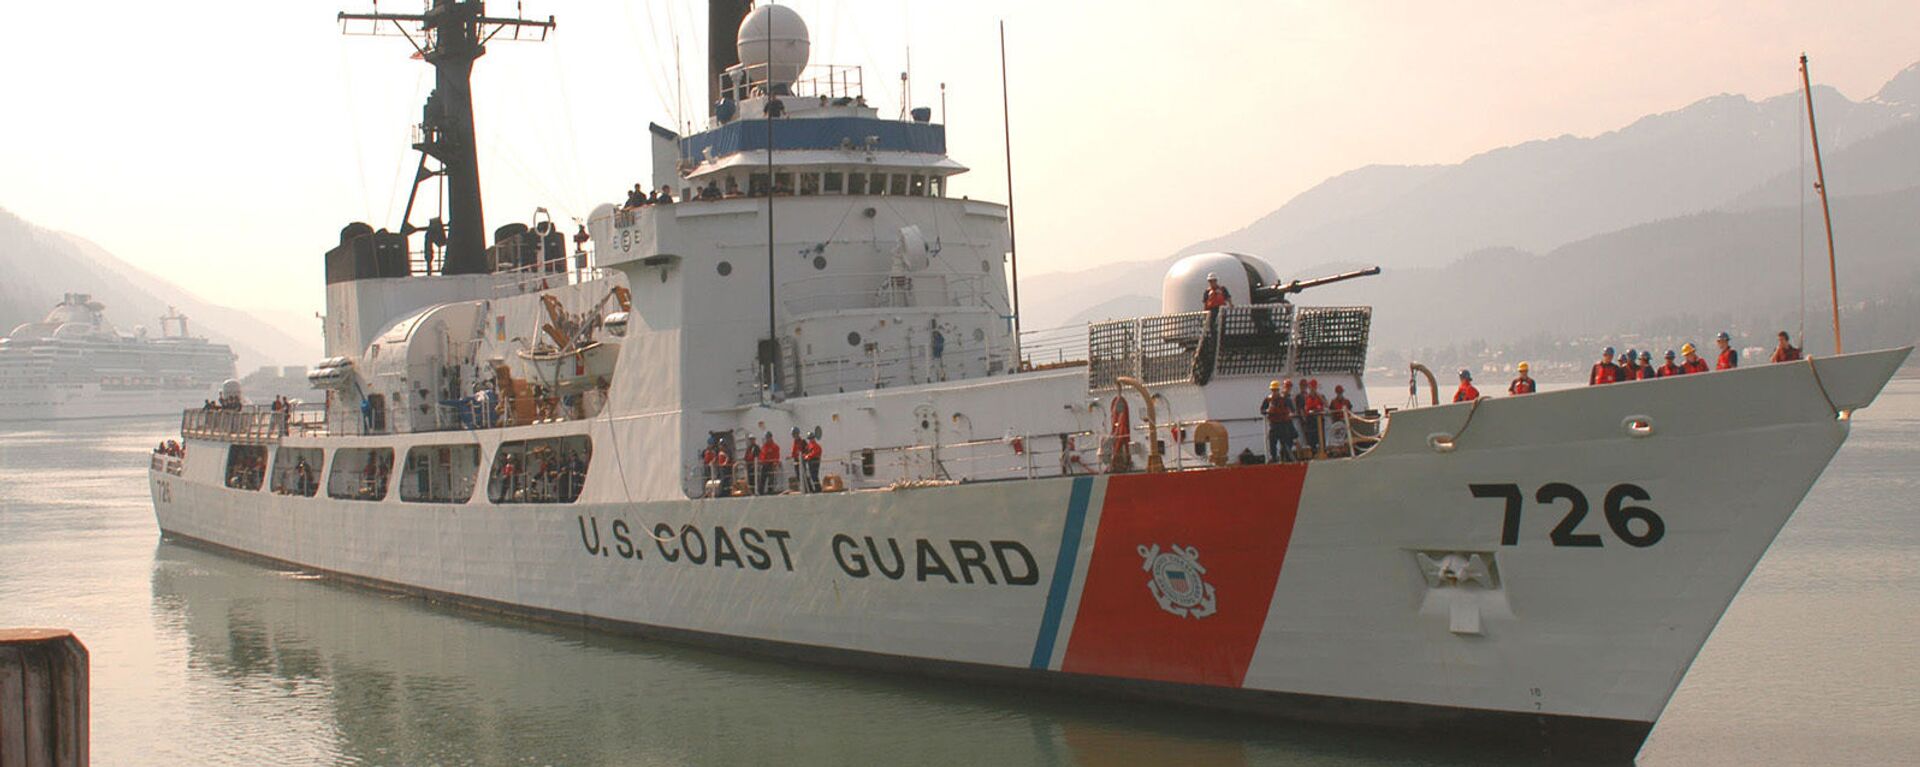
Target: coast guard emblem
(1176, 583)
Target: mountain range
(1696, 211)
(41, 265)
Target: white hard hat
(1212, 276)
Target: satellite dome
(787, 50)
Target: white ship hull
(96, 401)
(1316, 592)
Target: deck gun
(1277, 292)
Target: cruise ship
(75, 364)
(563, 424)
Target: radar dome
(774, 34)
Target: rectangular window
(835, 183)
(809, 183)
(550, 470)
(919, 187)
(899, 184)
(939, 186)
(856, 183)
(439, 473)
(360, 473)
(756, 185)
(783, 183)
(733, 187)
(246, 464)
(296, 471)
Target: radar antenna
(450, 35)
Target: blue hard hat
(796, 431)
(1646, 356)
(1669, 354)
(1608, 351)
(1466, 375)
(1722, 336)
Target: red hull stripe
(1182, 574)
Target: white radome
(789, 46)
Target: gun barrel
(1299, 285)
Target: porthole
(985, 268)
(725, 268)
(979, 335)
(819, 262)
(853, 338)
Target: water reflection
(402, 681)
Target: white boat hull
(1319, 598)
(95, 401)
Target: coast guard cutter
(520, 427)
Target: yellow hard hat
(1523, 367)
(1686, 348)
(1274, 385)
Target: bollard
(43, 699)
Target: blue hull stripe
(1062, 572)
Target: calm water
(199, 659)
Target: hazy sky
(223, 144)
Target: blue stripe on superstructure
(1062, 572)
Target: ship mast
(451, 35)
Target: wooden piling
(43, 698)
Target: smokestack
(723, 27)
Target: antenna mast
(450, 35)
(1820, 185)
(1006, 127)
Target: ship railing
(533, 278)
(785, 477)
(253, 424)
(1048, 348)
(1022, 456)
(833, 81)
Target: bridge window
(296, 471)
(809, 183)
(783, 183)
(439, 473)
(360, 473)
(540, 470)
(835, 182)
(899, 184)
(733, 187)
(246, 464)
(919, 187)
(939, 186)
(756, 184)
(856, 183)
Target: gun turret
(1278, 291)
